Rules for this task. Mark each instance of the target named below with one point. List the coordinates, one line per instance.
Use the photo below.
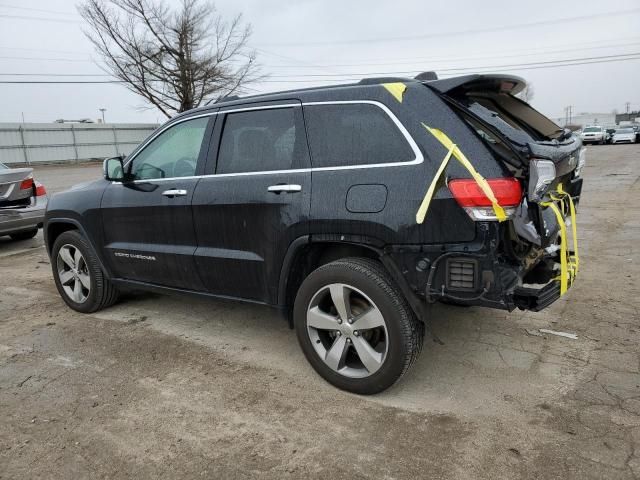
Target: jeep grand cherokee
(351, 208)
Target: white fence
(32, 143)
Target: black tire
(405, 331)
(24, 235)
(102, 292)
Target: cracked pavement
(177, 387)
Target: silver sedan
(23, 202)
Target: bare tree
(175, 57)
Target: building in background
(585, 118)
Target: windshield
(3, 166)
(592, 129)
(625, 130)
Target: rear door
(147, 221)
(254, 201)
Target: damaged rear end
(529, 260)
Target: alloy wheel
(73, 273)
(347, 330)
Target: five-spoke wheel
(347, 330)
(79, 277)
(73, 273)
(355, 326)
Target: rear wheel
(24, 235)
(78, 276)
(355, 327)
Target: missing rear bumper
(536, 299)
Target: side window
(261, 140)
(173, 153)
(354, 134)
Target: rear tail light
(469, 195)
(26, 184)
(582, 160)
(40, 190)
(542, 173)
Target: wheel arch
(307, 253)
(55, 227)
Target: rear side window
(261, 140)
(354, 134)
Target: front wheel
(355, 327)
(78, 276)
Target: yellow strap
(569, 264)
(574, 227)
(564, 272)
(396, 89)
(457, 153)
(424, 206)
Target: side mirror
(113, 169)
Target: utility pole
(627, 105)
(102, 110)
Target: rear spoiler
(478, 82)
(501, 89)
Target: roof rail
(377, 80)
(221, 98)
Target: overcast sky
(296, 39)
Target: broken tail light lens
(40, 190)
(469, 195)
(542, 173)
(582, 160)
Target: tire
(394, 343)
(100, 293)
(24, 235)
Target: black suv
(337, 206)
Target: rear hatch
(16, 187)
(535, 150)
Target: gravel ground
(171, 387)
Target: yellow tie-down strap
(569, 263)
(454, 151)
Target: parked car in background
(610, 132)
(594, 134)
(624, 135)
(23, 202)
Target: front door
(147, 221)
(254, 202)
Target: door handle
(174, 193)
(282, 188)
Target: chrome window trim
(419, 158)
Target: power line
(55, 12)
(462, 69)
(453, 71)
(42, 19)
(55, 75)
(44, 59)
(60, 81)
(482, 57)
(503, 28)
(477, 70)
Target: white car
(624, 135)
(594, 134)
